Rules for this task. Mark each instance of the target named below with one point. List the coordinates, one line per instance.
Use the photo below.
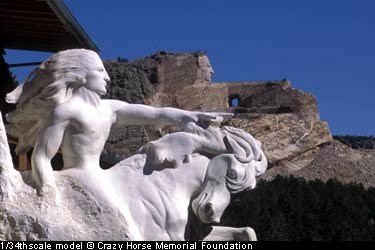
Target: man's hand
(206, 119)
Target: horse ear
(261, 164)
(227, 143)
(237, 148)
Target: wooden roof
(40, 25)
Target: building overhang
(40, 25)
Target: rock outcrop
(333, 160)
(9, 178)
(156, 81)
(286, 120)
(74, 214)
(287, 141)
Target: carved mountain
(284, 119)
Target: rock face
(9, 179)
(287, 141)
(156, 81)
(152, 79)
(133, 82)
(286, 120)
(334, 160)
(73, 215)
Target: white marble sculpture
(59, 106)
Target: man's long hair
(46, 87)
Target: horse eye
(232, 174)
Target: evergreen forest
(292, 209)
(357, 142)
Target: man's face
(206, 68)
(97, 77)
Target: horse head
(235, 157)
(213, 197)
(229, 173)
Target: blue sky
(323, 47)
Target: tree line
(357, 142)
(293, 209)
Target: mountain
(286, 120)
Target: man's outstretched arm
(139, 114)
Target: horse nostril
(209, 209)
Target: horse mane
(248, 152)
(46, 87)
(214, 141)
(245, 147)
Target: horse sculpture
(160, 189)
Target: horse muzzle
(210, 207)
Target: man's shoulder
(114, 104)
(68, 110)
